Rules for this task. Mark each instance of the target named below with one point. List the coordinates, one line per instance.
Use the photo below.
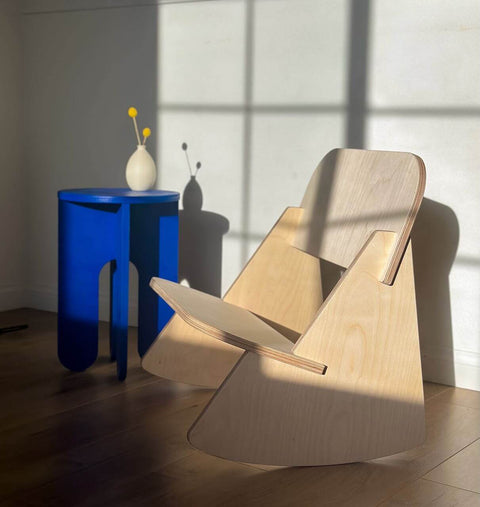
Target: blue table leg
(154, 251)
(119, 293)
(86, 243)
(113, 353)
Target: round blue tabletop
(117, 195)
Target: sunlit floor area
(69, 439)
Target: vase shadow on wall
(200, 242)
(435, 238)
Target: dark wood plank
(33, 384)
(85, 439)
(56, 423)
(463, 397)
(423, 493)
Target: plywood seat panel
(230, 323)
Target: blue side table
(115, 225)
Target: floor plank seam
(260, 467)
(396, 490)
(450, 485)
(439, 393)
(176, 460)
(81, 405)
(18, 494)
(71, 440)
(84, 467)
(416, 477)
(449, 457)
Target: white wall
(424, 96)
(12, 191)
(260, 90)
(82, 71)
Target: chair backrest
(353, 193)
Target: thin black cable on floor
(11, 329)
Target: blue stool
(115, 225)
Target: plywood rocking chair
(302, 380)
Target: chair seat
(230, 323)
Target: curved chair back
(353, 193)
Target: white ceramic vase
(141, 172)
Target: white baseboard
(11, 297)
(46, 298)
(41, 298)
(452, 367)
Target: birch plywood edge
(230, 323)
(280, 284)
(353, 193)
(368, 404)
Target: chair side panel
(280, 284)
(368, 404)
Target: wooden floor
(69, 439)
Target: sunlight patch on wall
(201, 52)
(422, 53)
(300, 51)
(450, 149)
(286, 150)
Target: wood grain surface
(230, 323)
(85, 439)
(353, 193)
(368, 404)
(280, 284)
